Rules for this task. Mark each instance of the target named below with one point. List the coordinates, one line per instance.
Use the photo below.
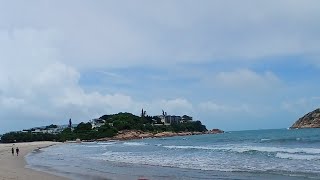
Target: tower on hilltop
(70, 123)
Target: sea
(255, 154)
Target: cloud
(37, 86)
(301, 105)
(54, 94)
(44, 54)
(177, 106)
(245, 79)
(11, 102)
(212, 107)
(125, 34)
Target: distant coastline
(121, 126)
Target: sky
(234, 65)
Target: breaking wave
(135, 143)
(297, 156)
(245, 149)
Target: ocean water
(258, 154)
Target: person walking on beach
(12, 150)
(17, 151)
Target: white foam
(108, 153)
(96, 146)
(208, 161)
(297, 156)
(159, 160)
(242, 149)
(106, 143)
(180, 161)
(192, 147)
(94, 142)
(281, 149)
(134, 144)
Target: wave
(246, 149)
(102, 144)
(99, 145)
(135, 143)
(202, 162)
(290, 140)
(267, 140)
(278, 149)
(159, 160)
(93, 142)
(297, 156)
(106, 143)
(94, 146)
(191, 147)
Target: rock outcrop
(310, 120)
(215, 131)
(136, 134)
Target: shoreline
(138, 134)
(14, 167)
(114, 169)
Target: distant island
(310, 120)
(121, 126)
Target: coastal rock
(215, 131)
(126, 135)
(195, 133)
(165, 134)
(145, 135)
(185, 134)
(310, 120)
(137, 134)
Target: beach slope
(13, 167)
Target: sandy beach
(13, 167)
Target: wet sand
(13, 167)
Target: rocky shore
(310, 120)
(136, 134)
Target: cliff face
(310, 120)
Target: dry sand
(13, 167)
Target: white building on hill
(95, 123)
(172, 119)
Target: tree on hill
(122, 121)
(83, 127)
(187, 118)
(13, 137)
(192, 126)
(106, 131)
(51, 126)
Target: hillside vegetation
(113, 124)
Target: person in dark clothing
(12, 150)
(17, 151)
